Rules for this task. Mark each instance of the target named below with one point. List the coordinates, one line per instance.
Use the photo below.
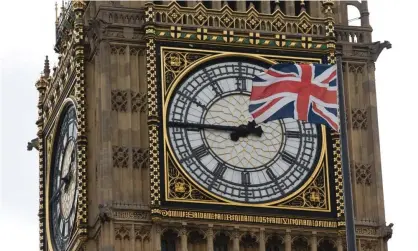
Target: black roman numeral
(271, 175)
(245, 178)
(219, 170)
(293, 134)
(288, 158)
(200, 152)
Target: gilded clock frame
(168, 152)
(160, 32)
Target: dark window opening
(232, 5)
(168, 245)
(207, 4)
(158, 2)
(221, 243)
(182, 3)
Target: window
(220, 247)
(182, 3)
(168, 245)
(207, 4)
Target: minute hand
(237, 131)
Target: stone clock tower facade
(140, 130)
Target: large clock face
(63, 181)
(215, 145)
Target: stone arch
(327, 244)
(196, 240)
(221, 241)
(249, 242)
(353, 14)
(274, 242)
(169, 239)
(300, 243)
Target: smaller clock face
(63, 180)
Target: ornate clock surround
(173, 63)
(78, 231)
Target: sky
(28, 35)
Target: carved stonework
(368, 245)
(117, 49)
(139, 102)
(119, 100)
(122, 232)
(363, 174)
(356, 68)
(139, 157)
(142, 233)
(359, 118)
(120, 156)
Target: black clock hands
(236, 131)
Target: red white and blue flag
(301, 91)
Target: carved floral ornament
(140, 157)
(120, 100)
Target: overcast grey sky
(27, 35)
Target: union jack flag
(301, 91)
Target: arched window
(221, 242)
(353, 15)
(168, 241)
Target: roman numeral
(219, 170)
(293, 134)
(270, 173)
(288, 158)
(200, 152)
(245, 178)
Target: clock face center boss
(216, 144)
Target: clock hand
(236, 131)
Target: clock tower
(146, 143)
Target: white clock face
(210, 105)
(63, 181)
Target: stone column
(314, 242)
(183, 238)
(157, 237)
(288, 241)
(262, 240)
(209, 238)
(235, 239)
(340, 244)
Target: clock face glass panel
(253, 169)
(63, 181)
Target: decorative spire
(277, 6)
(302, 6)
(47, 70)
(56, 13)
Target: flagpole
(348, 197)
